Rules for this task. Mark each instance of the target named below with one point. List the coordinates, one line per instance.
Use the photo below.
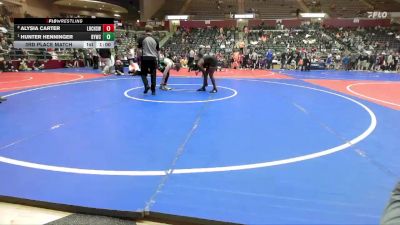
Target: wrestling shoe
(146, 89)
(165, 88)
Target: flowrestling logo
(377, 15)
(70, 20)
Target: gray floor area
(12, 214)
(80, 219)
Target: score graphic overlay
(64, 33)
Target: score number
(108, 36)
(108, 32)
(108, 27)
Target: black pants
(88, 62)
(254, 62)
(209, 72)
(149, 67)
(190, 63)
(306, 67)
(283, 65)
(95, 62)
(269, 64)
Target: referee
(150, 47)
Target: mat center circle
(181, 94)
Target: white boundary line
(365, 134)
(63, 84)
(80, 77)
(181, 102)
(15, 81)
(371, 98)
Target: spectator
(37, 65)
(329, 61)
(346, 62)
(191, 59)
(132, 53)
(68, 64)
(23, 66)
(76, 58)
(236, 60)
(283, 60)
(88, 58)
(184, 62)
(254, 59)
(134, 68)
(372, 61)
(95, 58)
(241, 46)
(119, 67)
(269, 56)
(306, 64)
(337, 61)
(8, 67)
(105, 60)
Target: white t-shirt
(191, 54)
(132, 53)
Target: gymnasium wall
(354, 23)
(204, 24)
(38, 8)
(46, 8)
(57, 10)
(287, 23)
(149, 7)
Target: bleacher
(125, 39)
(385, 5)
(385, 39)
(206, 39)
(277, 40)
(206, 9)
(198, 9)
(169, 9)
(273, 9)
(345, 8)
(280, 41)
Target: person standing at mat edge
(391, 215)
(207, 65)
(150, 47)
(2, 99)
